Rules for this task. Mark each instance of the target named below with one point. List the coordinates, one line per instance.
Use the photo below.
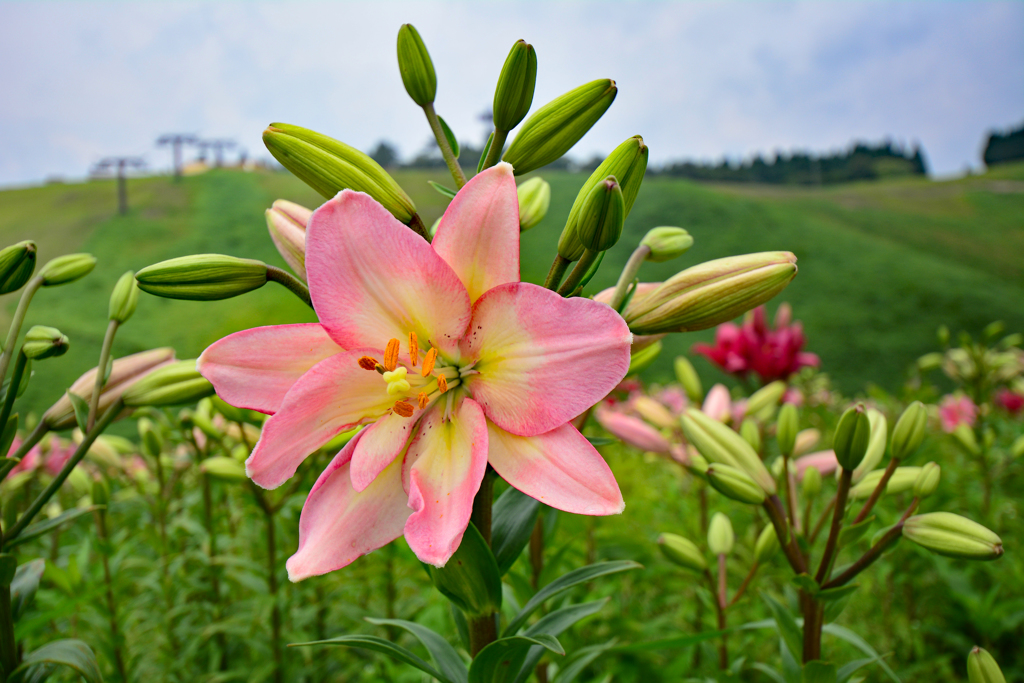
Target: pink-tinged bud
(718, 404)
(287, 222)
(823, 461)
(805, 441)
(654, 412)
(633, 431)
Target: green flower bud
(330, 166)
(942, 334)
(751, 434)
(902, 480)
(1017, 449)
(810, 487)
(100, 492)
(666, 243)
(927, 481)
(965, 435)
(202, 277)
(17, 263)
(929, 361)
(67, 268)
(205, 424)
(766, 398)
(553, 129)
(223, 468)
(734, 483)
(534, 200)
(44, 342)
(227, 410)
(711, 293)
(415, 65)
(682, 552)
(786, 429)
(982, 667)
(628, 163)
(124, 298)
(876, 445)
(514, 94)
(654, 411)
(152, 440)
(953, 536)
(909, 430)
(850, 441)
(767, 545)
(600, 223)
(171, 384)
(640, 360)
(719, 444)
(720, 535)
(688, 377)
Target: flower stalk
(446, 149)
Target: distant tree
(385, 154)
(1003, 147)
(120, 165)
(177, 141)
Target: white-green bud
(44, 342)
(751, 434)
(902, 480)
(202, 277)
(514, 92)
(927, 481)
(65, 269)
(223, 468)
(982, 667)
(909, 430)
(600, 221)
(765, 399)
(853, 433)
(811, 484)
(534, 200)
(171, 384)
(124, 298)
(786, 429)
(640, 360)
(876, 445)
(17, 263)
(767, 545)
(719, 444)
(734, 483)
(688, 377)
(666, 243)
(720, 535)
(415, 66)
(953, 536)
(682, 552)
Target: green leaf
(806, 582)
(25, 585)
(580, 660)
(817, 671)
(483, 154)
(81, 411)
(853, 639)
(7, 438)
(470, 579)
(73, 654)
(565, 582)
(851, 534)
(679, 642)
(502, 660)
(442, 190)
(834, 608)
(6, 465)
(444, 655)
(769, 672)
(592, 270)
(512, 522)
(450, 136)
(601, 440)
(553, 625)
(849, 669)
(386, 647)
(838, 592)
(788, 629)
(39, 528)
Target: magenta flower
(1010, 401)
(58, 456)
(28, 463)
(450, 361)
(955, 411)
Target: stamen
(414, 349)
(404, 409)
(391, 355)
(423, 399)
(368, 363)
(442, 384)
(428, 362)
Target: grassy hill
(882, 265)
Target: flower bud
(902, 480)
(688, 377)
(982, 667)
(965, 435)
(1017, 449)
(600, 221)
(811, 484)
(711, 293)
(202, 277)
(534, 200)
(653, 411)
(330, 166)
(414, 63)
(929, 361)
(719, 444)
(65, 269)
(514, 93)
(152, 440)
(666, 243)
(124, 298)
(953, 536)
(806, 439)
(734, 483)
(17, 263)
(909, 431)
(641, 359)
(223, 468)
(720, 535)
(44, 342)
(751, 434)
(767, 545)
(850, 441)
(172, 384)
(100, 492)
(927, 481)
(287, 222)
(766, 398)
(553, 129)
(682, 552)
(786, 428)
(876, 444)
(628, 163)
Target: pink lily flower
(448, 359)
(28, 463)
(955, 411)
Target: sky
(699, 80)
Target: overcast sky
(82, 80)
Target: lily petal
(559, 468)
(542, 359)
(339, 524)
(255, 368)
(479, 233)
(373, 279)
(633, 431)
(444, 466)
(380, 444)
(334, 395)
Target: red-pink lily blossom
(58, 456)
(29, 462)
(1010, 401)
(448, 359)
(955, 411)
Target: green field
(882, 264)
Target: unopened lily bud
(666, 243)
(44, 342)
(982, 667)
(734, 483)
(876, 444)
(712, 293)
(811, 484)
(766, 398)
(902, 480)
(172, 384)
(942, 335)
(806, 440)
(653, 411)
(414, 63)
(330, 166)
(202, 277)
(124, 298)
(719, 444)
(850, 441)
(767, 545)
(929, 361)
(205, 424)
(223, 468)
(640, 360)
(17, 263)
(682, 552)
(65, 269)
(965, 435)
(786, 428)
(100, 492)
(1017, 449)
(751, 434)
(628, 164)
(688, 377)
(552, 130)
(909, 431)
(600, 222)
(152, 440)
(927, 481)
(514, 93)
(720, 535)
(534, 200)
(953, 536)
(287, 222)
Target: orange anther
(368, 363)
(414, 349)
(391, 355)
(428, 362)
(423, 399)
(442, 384)
(404, 409)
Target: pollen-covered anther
(391, 355)
(442, 384)
(368, 363)
(428, 362)
(414, 349)
(404, 409)
(422, 399)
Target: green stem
(275, 612)
(496, 147)
(12, 388)
(211, 533)
(290, 282)
(773, 506)
(101, 372)
(442, 142)
(556, 273)
(743, 586)
(628, 274)
(874, 552)
(837, 524)
(31, 440)
(8, 646)
(576, 276)
(101, 532)
(19, 318)
(483, 630)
